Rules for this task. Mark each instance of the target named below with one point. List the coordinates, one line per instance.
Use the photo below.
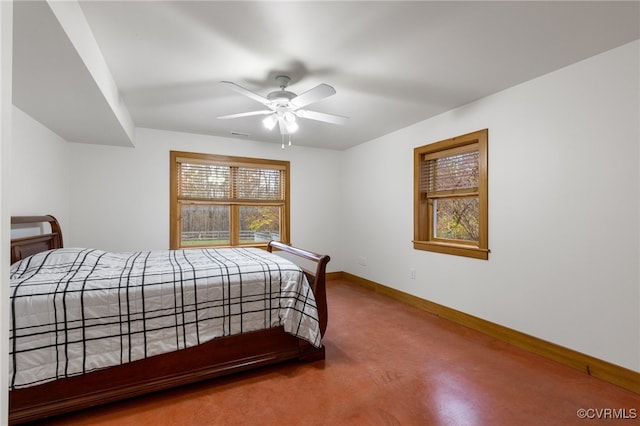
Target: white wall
(120, 196)
(6, 98)
(40, 178)
(564, 199)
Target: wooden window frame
(230, 161)
(423, 235)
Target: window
(450, 196)
(227, 201)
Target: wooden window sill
(455, 249)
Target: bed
(249, 334)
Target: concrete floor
(387, 364)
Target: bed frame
(215, 358)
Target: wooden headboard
(26, 246)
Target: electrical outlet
(412, 273)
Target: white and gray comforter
(77, 310)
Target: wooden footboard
(216, 358)
(316, 278)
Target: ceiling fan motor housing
(281, 97)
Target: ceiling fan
(285, 107)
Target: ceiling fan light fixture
(291, 126)
(270, 122)
(289, 119)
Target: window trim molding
(422, 223)
(232, 161)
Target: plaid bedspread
(77, 310)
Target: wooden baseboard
(595, 367)
(330, 276)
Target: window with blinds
(451, 196)
(227, 201)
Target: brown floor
(387, 364)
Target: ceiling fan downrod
(283, 81)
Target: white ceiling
(392, 63)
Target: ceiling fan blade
(246, 92)
(319, 92)
(246, 114)
(321, 116)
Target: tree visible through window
(450, 196)
(227, 201)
